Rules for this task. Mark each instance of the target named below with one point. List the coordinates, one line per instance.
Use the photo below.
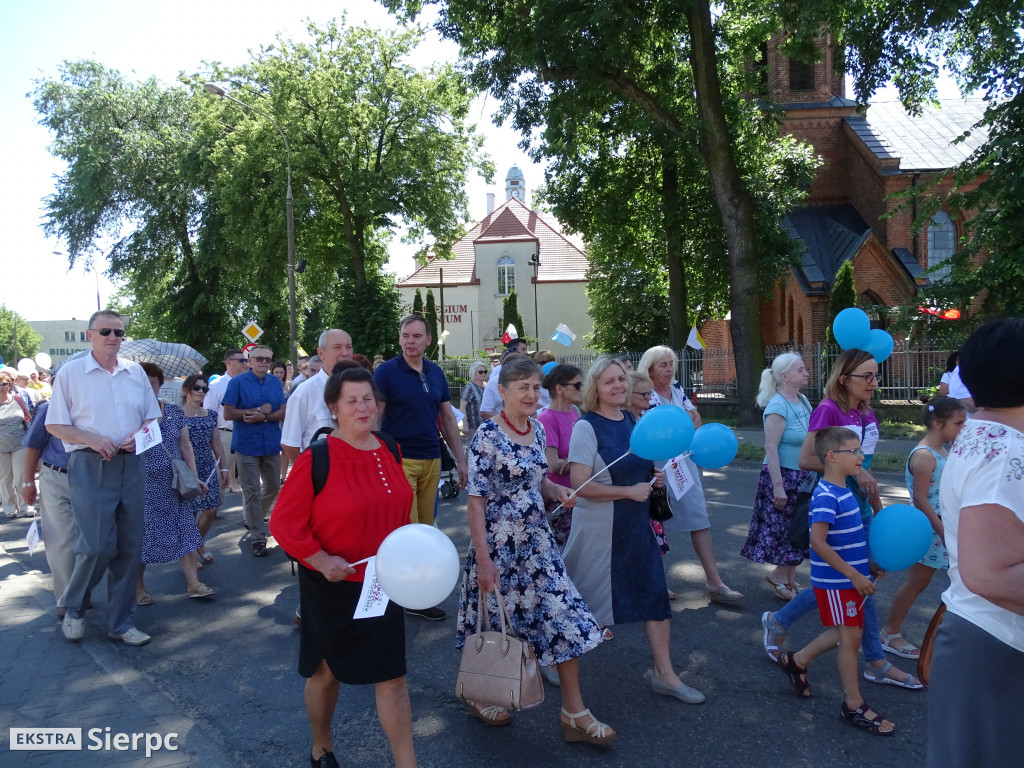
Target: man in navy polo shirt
(254, 401)
(417, 397)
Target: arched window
(506, 275)
(941, 244)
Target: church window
(941, 244)
(506, 275)
(801, 76)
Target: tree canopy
(185, 193)
(17, 338)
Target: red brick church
(869, 154)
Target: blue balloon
(662, 433)
(714, 446)
(548, 367)
(851, 328)
(900, 535)
(879, 344)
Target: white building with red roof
(496, 256)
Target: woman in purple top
(847, 403)
(563, 383)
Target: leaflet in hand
(678, 476)
(372, 600)
(147, 437)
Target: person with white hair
(469, 401)
(786, 416)
(690, 513)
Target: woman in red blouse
(365, 498)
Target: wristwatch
(28, 485)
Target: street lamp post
(216, 90)
(535, 263)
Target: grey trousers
(225, 441)
(58, 524)
(107, 500)
(258, 500)
(974, 699)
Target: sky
(159, 40)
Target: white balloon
(417, 566)
(43, 360)
(26, 366)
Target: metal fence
(710, 374)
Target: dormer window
(506, 275)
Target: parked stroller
(449, 488)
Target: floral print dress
(543, 605)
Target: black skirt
(358, 651)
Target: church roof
(833, 234)
(924, 142)
(512, 222)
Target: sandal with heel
(596, 733)
(494, 716)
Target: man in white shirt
(99, 402)
(235, 364)
(307, 412)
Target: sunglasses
(261, 359)
(241, 360)
(855, 451)
(423, 381)
(5, 383)
(645, 395)
(578, 385)
(200, 388)
(107, 331)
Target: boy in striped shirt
(840, 575)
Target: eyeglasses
(855, 451)
(200, 388)
(645, 395)
(869, 378)
(119, 332)
(423, 381)
(481, 372)
(254, 358)
(241, 360)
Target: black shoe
(326, 761)
(259, 549)
(431, 614)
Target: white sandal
(596, 733)
(491, 715)
(908, 651)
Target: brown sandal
(797, 675)
(858, 718)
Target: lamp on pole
(217, 90)
(535, 263)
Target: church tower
(515, 185)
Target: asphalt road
(230, 664)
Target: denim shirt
(248, 391)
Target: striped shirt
(835, 505)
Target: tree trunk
(736, 208)
(678, 327)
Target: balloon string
(592, 477)
(360, 562)
(873, 581)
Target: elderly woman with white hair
(469, 402)
(690, 513)
(786, 416)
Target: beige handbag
(498, 669)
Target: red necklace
(512, 426)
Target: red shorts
(840, 607)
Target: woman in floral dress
(513, 550)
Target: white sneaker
(73, 629)
(132, 636)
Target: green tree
(430, 315)
(417, 303)
(510, 314)
(842, 296)
(17, 338)
(604, 57)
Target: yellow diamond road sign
(252, 331)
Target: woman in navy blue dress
(209, 453)
(612, 555)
